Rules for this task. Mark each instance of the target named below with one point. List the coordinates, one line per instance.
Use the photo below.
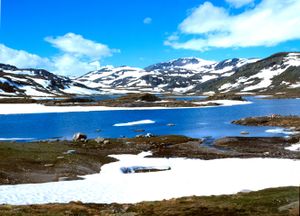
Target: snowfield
(6, 109)
(186, 177)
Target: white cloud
(21, 58)
(239, 3)
(147, 20)
(267, 24)
(71, 65)
(77, 55)
(206, 18)
(78, 46)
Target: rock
(63, 178)
(60, 157)
(275, 116)
(225, 97)
(149, 135)
(290, 206)
(139, 130)
(48, 165)
(171, 124)
(106, 142)
(245, 191)
(149, 97)
(70, 152)
(79, 137)
(139, 136)
(99, 140)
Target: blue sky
(142, 32)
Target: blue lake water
(202, 122)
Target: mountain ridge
(187, 75)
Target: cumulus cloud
(267, 24)
(76, 45)
(21, 58)
(77, 55)
(72, 65)
(239, 3)
(147, 20)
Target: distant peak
(191, 60)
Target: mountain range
(277, 73)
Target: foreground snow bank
(39, 108)
(185, 177)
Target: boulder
(63, 178)
(71, 151)
(79, 137)
(99, 140)
(106, 142)
(148, 135)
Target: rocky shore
(128, 100)
(291, 122)
(46, 161)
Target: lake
(212, 122)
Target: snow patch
(134, 123)
(186, 177)
(224, 102)
(294, 147)
(280, 131)
(15, 139)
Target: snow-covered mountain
(38, 82)
(179, 75)
(277, 73)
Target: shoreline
(50, 161)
